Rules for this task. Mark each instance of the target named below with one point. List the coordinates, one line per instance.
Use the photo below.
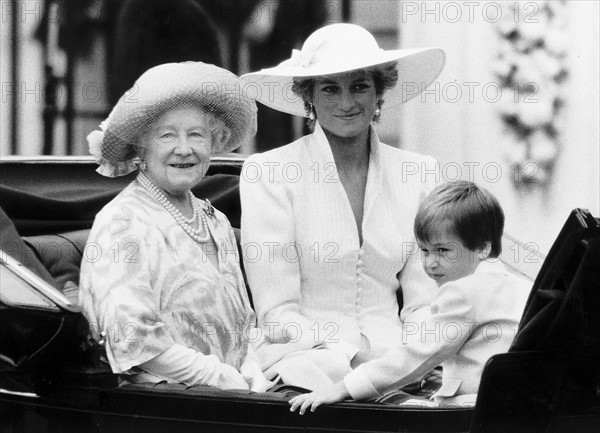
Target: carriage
(51, 377)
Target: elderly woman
(161, 282)
(332, 212)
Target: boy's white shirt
(468, 321)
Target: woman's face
(178, 149)
(345, 103)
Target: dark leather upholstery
(61, 254)
(12, 244)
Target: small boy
(474, 314)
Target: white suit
(310, 279)
(469, 320)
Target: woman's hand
(330, 394)
(253, 375)
(230, 378)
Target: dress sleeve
(427, 343)
(417, 288)
(268, 227)
(233, 258)
(184, 365)
(117, 289)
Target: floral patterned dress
(146, 284)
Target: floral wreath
(531, 68)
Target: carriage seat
(61, 254)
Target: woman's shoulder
(125, 216)
(127, 205)
(271, 167)
(395, 154)
(409, 169)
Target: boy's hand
(327, 395)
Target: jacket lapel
(374, 179)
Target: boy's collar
(491, 265)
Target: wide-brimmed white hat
(339, 48)
(163, 87)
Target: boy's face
(445, 258)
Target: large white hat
(163, 87)
(341, 48)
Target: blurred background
(515, 109)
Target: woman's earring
(311, 112)
(142, 166)
(377, 109)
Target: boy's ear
(484, 252)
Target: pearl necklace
(187, 224)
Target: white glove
(230, 378)
(254, 376)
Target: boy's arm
(427, 344)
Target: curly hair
(385, 76)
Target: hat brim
(214, 90)
(417, 69)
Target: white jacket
(469, 320)
(309, 277)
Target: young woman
(331, 213)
